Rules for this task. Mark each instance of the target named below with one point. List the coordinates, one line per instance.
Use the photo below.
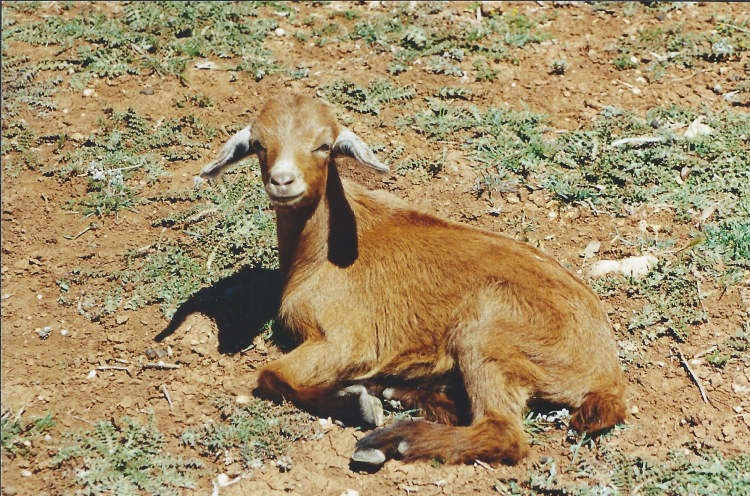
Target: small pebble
(634, 410)
(280, 32)
(655, 124)
(149, 91)
(26, 473)
(222, 479)
(151, 353)
(242, 399)
(64, 332)
(88, 92)
(545, 459)
(91, 374)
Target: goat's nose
(282, 179)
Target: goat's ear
(237, 148)
(349, 144)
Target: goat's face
(295, 138)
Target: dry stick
(704, 352)
(160, 365)
(737, 28)
(166, 394)
(692, 374)
(484, 465)
(111, 367)
(700, 298)
(688, 77)
(84, 420)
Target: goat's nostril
(282, 179)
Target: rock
(89, 92)
(77, 137)
(697, 128)
(591, 249)
(636, 267)
(121, 319)
(729, 431)
(116, 337)
(491, 7)
(242, 399)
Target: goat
(465, 324)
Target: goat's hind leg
(309, 376)
(445, 405)
(496, 379)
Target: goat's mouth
(286, 201)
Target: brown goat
(465, 324)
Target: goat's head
(295, 139)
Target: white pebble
(91, 375)
(39, 297)
(222, 479)
(64, 332)
(280, 32)
(26, 473)
(242, 399)
(88, 92)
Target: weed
(227, 227)
(422, 169)
(558, 66)
(624, 62)
(123, 458)
(365, 100)
(538, 426)
(614, 472)
(254, 433)
(673, 302)
(16, 433)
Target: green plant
(558, 66)
(366, 100)
(123, 458)
(225, 227)
(254, 433)
(624, 62)
(17, 434)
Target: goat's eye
(325, 147)
(257, 146)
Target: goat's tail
(600, 410)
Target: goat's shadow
(240, 304)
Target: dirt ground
(53, 375)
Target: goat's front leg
(312, 378)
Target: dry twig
(160, 365)
(692, 374)
(166, 394)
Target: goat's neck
(325, 230)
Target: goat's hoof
(369, 456)
(370, 407)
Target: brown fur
(379, 292)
